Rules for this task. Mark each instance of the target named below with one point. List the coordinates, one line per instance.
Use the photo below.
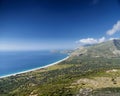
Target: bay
(18, 61)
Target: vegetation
(84, 74)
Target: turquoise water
(14, 62)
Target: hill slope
(106, 49)
(92, 70)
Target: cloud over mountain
(91, 40)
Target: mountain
(117, 43)
(89, 71)
(106, 49)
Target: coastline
(54, 63)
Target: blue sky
(57, 24)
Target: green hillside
(106, 49)
(89, 71)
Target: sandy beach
(36, 68)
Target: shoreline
(34, 69)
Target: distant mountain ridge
(109, 48)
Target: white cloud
(116, 28)
(113, 38)
(91, 40)
(88, 41)
(101, 40)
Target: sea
(12, 62)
